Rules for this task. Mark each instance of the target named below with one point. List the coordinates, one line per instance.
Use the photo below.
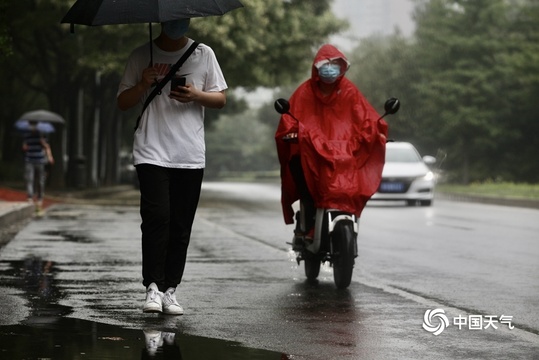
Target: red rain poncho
(340, 140)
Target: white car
(406, 176)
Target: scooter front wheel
(312, 265)
(343, 241)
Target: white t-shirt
(170, 133)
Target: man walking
(169, 153)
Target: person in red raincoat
(338, 152)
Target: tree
(518, 143)
(384, 67)
(76, 75)
(467, 81)
(466, 87)
(240, 143)
(253, 43)
(460, 80)
(5, 41)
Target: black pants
(168, 202)
(305, 196)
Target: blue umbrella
(42, 126)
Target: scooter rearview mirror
(391, 106)
(282, 106)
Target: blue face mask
(175, 29)
(329, 72)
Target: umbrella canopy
(109, 12)
(43, 115)
(42, 126)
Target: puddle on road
(68, 338)
(46, 333)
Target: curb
(524, 203)
(12, 213)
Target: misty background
(465, 72)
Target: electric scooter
(335, 231)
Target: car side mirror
(429, 160)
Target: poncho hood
(328, 53)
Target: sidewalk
(14, 201)
(15, 209)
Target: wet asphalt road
(70, 285)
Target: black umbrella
(110, 12)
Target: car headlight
(428, 176)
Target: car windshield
(402, 155)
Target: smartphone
(177, 81)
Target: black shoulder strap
(157, 89)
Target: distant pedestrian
(169, 152)
(37, 154)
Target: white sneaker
(154, 341)
(170, 304)
(154, 302)
(168, 337)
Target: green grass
(495, 189)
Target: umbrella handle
(151, 45)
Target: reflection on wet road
(70, 285)
(67, 338)
(47, 332)
(70, 289)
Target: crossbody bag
(157, 89)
